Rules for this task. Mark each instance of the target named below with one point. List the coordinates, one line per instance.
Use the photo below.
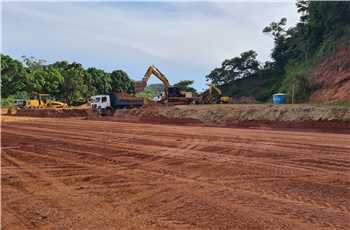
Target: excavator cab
(174, 92)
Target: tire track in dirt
(278, 172)
(60, 191)
(270, 196)
(182, 180)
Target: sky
(185, 40)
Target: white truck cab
(100, 103)
(107, 104)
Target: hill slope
(332, 77)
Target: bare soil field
(73, 173)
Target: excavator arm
(152, 70)
(213, 88)
(156, 72)
(207, 97)
(172, 94)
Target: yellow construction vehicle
(225, 100)
(171, 94)
(40, 100)
(213, 96)
(152, 70)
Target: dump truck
(109, 103)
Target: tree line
(324, 26)
(69, 82)
(66, 81)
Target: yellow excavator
(171, 94)
(213, 96)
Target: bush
(10, 100)
(7, 102)
(148, 93)
(297, 79)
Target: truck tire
(101, 112)
(109, 112)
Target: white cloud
(186, 40)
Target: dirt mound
(243, 115)
(53, 112)
(83, 106)
(296, 116)
(332, 76)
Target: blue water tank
(279, 98)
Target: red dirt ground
(82, 174)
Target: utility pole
(293, 93)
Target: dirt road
(81, 174)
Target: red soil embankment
(332, 76)
(273, 116)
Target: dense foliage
(185, 85)
(66, 81)
(235, 68)
(323, 28)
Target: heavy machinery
(107, 104)
(40, 100)
(213, 96)
(36, 101)
(172, 94)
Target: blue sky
(185, 40)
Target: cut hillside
(332, 78)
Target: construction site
(182, 162)
(176, 167)
(132, 123)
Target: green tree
(98, 81)
(297, 83)
(47, 79)
(13, 76)
(73, 86)
(280, 35)
(185, 85)
(67, 81)
(235, 68)
(35, 74)
(120, 81)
